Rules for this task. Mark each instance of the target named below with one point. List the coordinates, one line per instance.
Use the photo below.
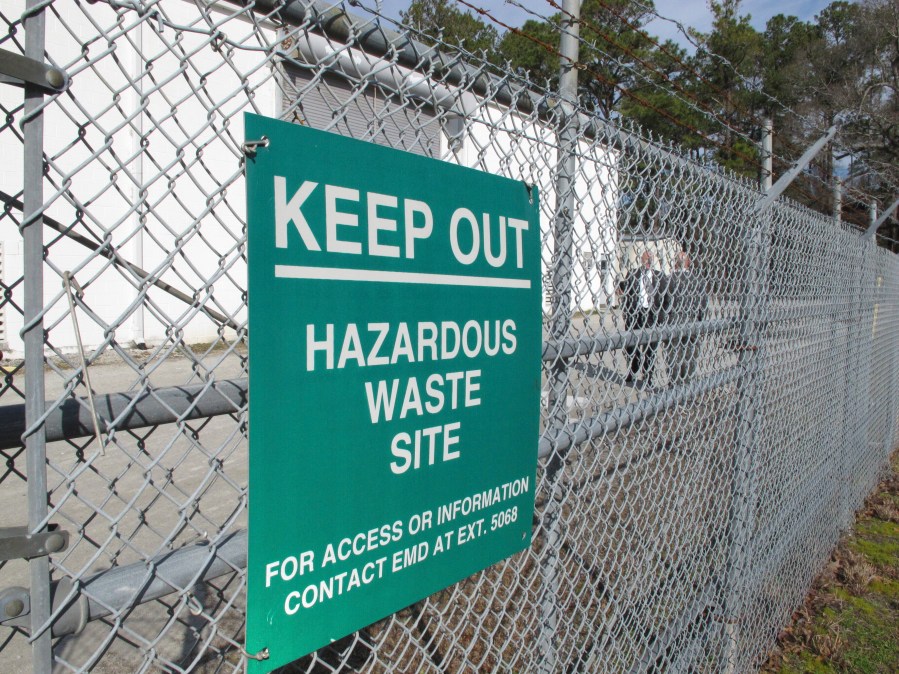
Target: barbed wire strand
(753, 118)
(625, 92)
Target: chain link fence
(708, 428)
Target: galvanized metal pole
(877, 222)
(564, 215)
(560, 324)
(137, 172)
(856, 404)
(841, 349)
(774, 191)
(749, 409)
(33, 336)
(890, 431)
(837, 200)
(865, 346)
(767, 178)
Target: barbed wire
(752, 161)
(643, 102)
(796, 188)
(753, 118)
(696, 104)
(745, 110)
(655, 77)
(688, 35)
(686, 32)
(648, 64)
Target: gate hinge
(17, 69)
(17, 543)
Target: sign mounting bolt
(249, 147)
(261, 655)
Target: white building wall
(193, 129)
(505, 143)
(193, 96)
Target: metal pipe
(129, 410)
(372, 38)
(774, 191)
(584, 346)
(34, 22)
(877, 222)
(560, 326)
(126, 411)
(137, 169)
(574, 434)
(122, 588)
(312, 48)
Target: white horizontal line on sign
(334, 274)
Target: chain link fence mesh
(698, 460)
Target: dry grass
(850, 619)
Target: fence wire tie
(249, 147)
(194, 605)
(68, 282)
(217, 41)
(261, 655)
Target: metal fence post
(137, 170)
(869, 291)
(890, 435)
(837, 199)
(866, 328)
(749, 408)
(855, 405)
(560, 323)
(33, 336)
(842, 340)
(875, 222)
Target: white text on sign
(383, 225)
(336, 347)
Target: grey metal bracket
(17, 543)
(72, 609)
(20, 70)
(784, 182)
(872, 230)
(15, 602)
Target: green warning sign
(395, 336)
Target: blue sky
(693, 13)
(696, 14)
